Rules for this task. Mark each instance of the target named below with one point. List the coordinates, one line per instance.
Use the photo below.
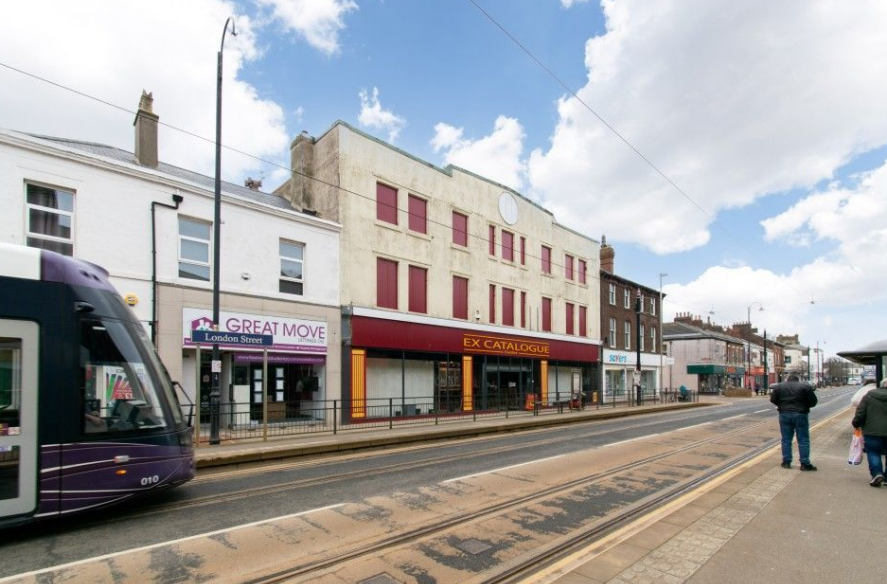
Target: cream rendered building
(458, 293)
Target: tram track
(321, 567)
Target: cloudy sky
(739, 147)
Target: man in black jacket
(794, 399)
(871, 416)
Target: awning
(715, 370)
(871, 354)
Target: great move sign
(490, 345)
(287, 334)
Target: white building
(459, 293)
(150, 225)
(705, 360)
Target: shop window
(583, 321)
(460, 229)
(568, 266)
(418, 289)
(460, 297)
(50, 218)
(569, 318)
(492, 237)
(583, 272)
(507, 246)
(386, 203)
(194, 244)
(546, 259)
(292, 261)
(546, 315)
(507, 307)
(418, 219)
(386, 283)
(492, 303)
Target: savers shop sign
(290, 334)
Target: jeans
(789, 424)
(875, 449)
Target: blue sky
(768, 116)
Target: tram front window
(120, 391)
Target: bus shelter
(871, 354)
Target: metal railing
(245, 420)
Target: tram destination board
(226, 338)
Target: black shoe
(786, 465)
(808, 467)
(876, 481)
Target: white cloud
(496, 156)
(849, 284)
(373, 115)
(569, 3)
(115, 51)
(731, 103)
(299, 113)
(317, 21)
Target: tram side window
(119, 392)
(10, 414)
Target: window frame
(583, 321)
(583, 272)
(569, 318)
(523, 309)
(417, 303)
(508, 246)
(458, 297)
(523, 250)
(45, 237)
(611, 339)
(417, 208)
(652, 306)
(612, 294)
(380, 262)
(546, 259)
(569, 272)
(626, 298)
(653, 340)
(507, 306)
(282, 278)
(546, 314)
(627, 331)
(385, 211)
(209, 247)
(641, 332)
(492, 306)
(460, 237)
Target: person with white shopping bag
(871, 417)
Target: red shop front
(402, 367)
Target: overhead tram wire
(610, 127)
(589, 275)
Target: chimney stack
(252, 184)
(608, 255)
(146, 131)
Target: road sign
(225, 338)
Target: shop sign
(489, 345)
(289, 334)
(612, 357)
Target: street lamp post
(748, 375)
(659, 338)
(215, 392)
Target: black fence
(247, 420)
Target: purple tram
(88, 414)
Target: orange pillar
(467, 384)
(358, 383)
(543, 383)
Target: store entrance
(503, 383)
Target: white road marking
(495, 470)
(630, 440)
(691, 427)
(759, 411)
(733, 417)
(165, 543)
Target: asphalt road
(238, 497)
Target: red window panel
(386, 283)
(523, 309)
(583, 271)
(460, 297)
(507, 246)
(569, 321)
(460, 229)
(492, 240)
(418, 219)
(546, 260)
(583, 321)
(546, 315)
(418, 289)
(523, 251)
(386, 203)
(507, 307)
(568, 266)
(492, 303)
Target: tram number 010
(150, 480)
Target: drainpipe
(177, 199)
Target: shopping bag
(856, 444)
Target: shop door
(18, 417)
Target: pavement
(758, 523)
